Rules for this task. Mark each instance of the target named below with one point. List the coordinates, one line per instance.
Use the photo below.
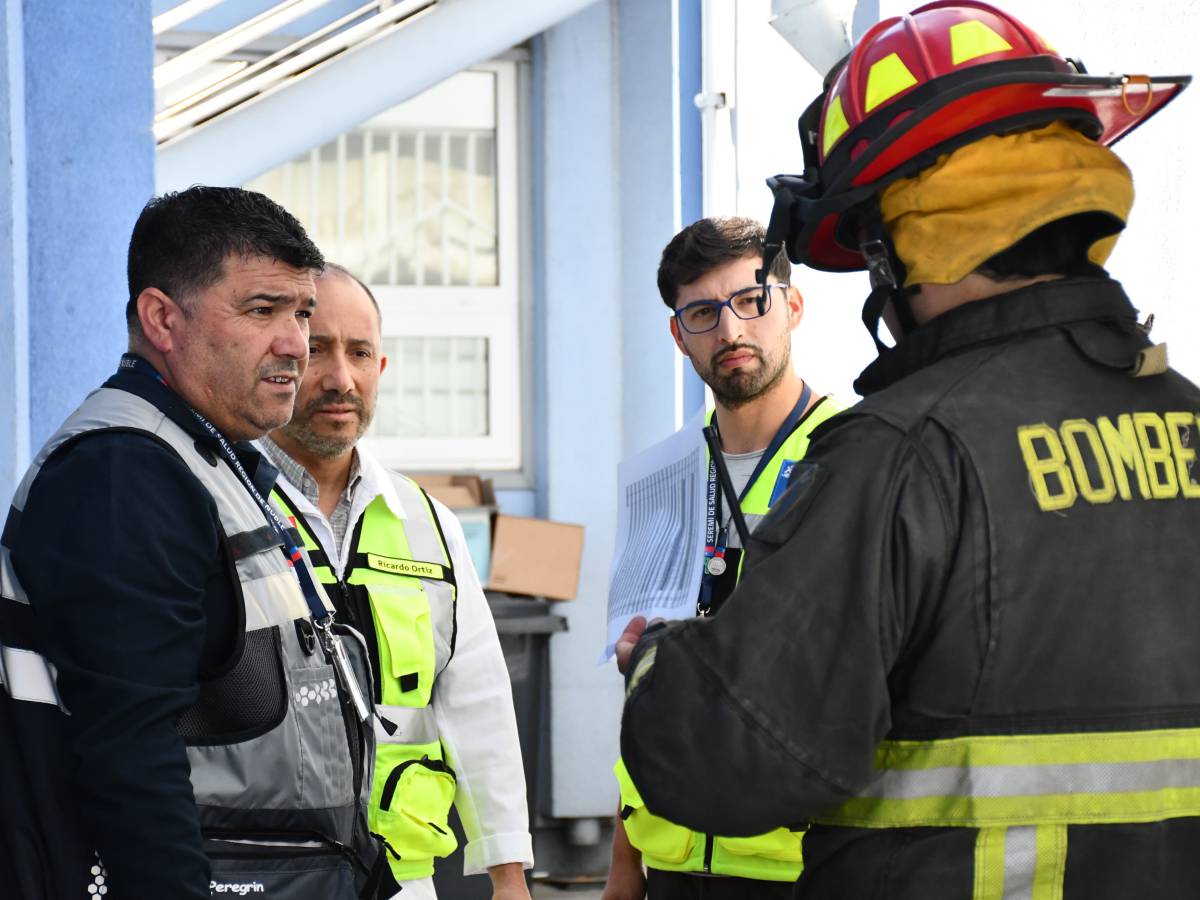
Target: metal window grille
(425, 213)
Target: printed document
(660, 532)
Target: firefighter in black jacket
(964, 655)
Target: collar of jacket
(1048, 304)
(259, 468)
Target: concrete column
(89, 163)
(580, 344)
(612, 155)
(14, 295)
(649, 156)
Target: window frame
(497, 313)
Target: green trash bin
(525, 627)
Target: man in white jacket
(395, 563)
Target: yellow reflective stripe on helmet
(888, 77)
(835, 125)
(972, 39)
(1031, 779)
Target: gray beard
(324, 447)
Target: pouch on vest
(653, 835)
(780, 844)
(411, 803)
(406, 644)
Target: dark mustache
(333, 398)
(733, 348)
(283, 367)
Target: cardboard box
(459, 491)
(535, 557)
(473, 501)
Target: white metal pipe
(234, 39)
(177, 15)
(166, 128)
(718, 74)
(195, 93)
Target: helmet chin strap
(887, 279)
(774, 240)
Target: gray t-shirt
(741, 466)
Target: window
(422, 203)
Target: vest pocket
(246, 701)
(653, 835)
(413, 808)
(407, 656)
(781, 844)
(325, 750)
(279, 872)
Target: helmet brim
(1106, 108)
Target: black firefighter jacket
(966, 652)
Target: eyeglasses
(753, 302)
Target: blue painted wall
(614, 129)
(580, 342)
(89, 105)
(14, 250)
(78, 104)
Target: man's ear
(382, 364)
(158, 315)
(795, 304)
(679, 338)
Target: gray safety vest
(272, 752)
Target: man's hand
(508, 882)
(628, 640)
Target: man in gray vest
(173, 719)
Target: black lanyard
(716, 535)
(784, 432)
(322, 617)
(291, 551)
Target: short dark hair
(1057, 248)
(342, 270)
(182, 239)
(707, 244)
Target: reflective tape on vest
(27, 675)
(413, 725)
(10, 585)
(1141, 776)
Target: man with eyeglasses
(738, 337)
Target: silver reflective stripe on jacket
(26, 675)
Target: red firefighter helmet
(918, 86)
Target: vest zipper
(708, 853)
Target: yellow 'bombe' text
(1144, 453)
